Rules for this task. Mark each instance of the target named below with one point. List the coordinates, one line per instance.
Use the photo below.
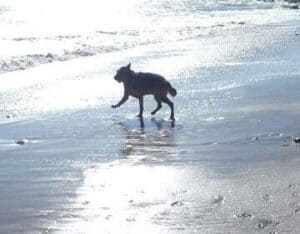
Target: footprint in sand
(130, 219)
(218, 199)
(292, 186)
(264, 223)
(85, 203)
(177, 203)
(296, 210)
(267, 197)
(243, 215)
(295, 207)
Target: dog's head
(123, 73)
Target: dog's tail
(171, 90)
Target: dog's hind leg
(141, 102)
(157, 99)
(171, 105)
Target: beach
(69, 163)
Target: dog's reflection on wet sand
(151, 143)
(157, 123)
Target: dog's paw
(114, 106)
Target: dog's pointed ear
(128, 66)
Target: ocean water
(37, 32)
(229, 163)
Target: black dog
(139, 84)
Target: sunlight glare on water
(34, 17)
(55, 16)
(129, 197)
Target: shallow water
(35, 33)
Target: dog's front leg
(141, 102)
(122, 101)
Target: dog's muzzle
(117, 79)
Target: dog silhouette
(138, 84)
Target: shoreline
(83, 42)
(97, 68)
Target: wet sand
(228, 165)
